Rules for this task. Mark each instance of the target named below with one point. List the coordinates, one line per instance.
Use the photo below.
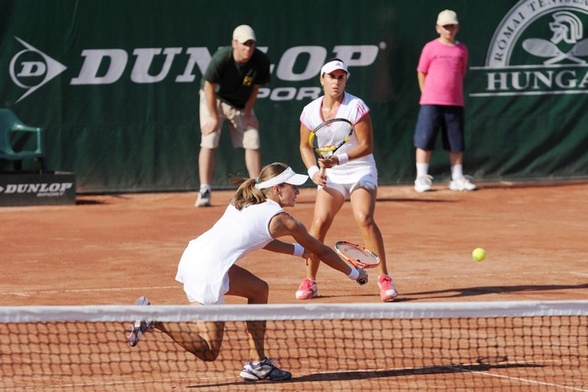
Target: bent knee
(260, 294)
(262, 291)
(211, 356)
(207, 355)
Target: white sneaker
(423, 183)
(203, 199)
(265, 370)
(461, 184)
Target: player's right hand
(210, 126)
(319, 178)
(362, 278)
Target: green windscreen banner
(115, 83)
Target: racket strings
(331, 135)
(358, 254)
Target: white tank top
(353, 109)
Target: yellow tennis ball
(479, 254)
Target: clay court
(110, 249)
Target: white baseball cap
(243, 33)
(447, 17)
(333, 66)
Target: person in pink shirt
(441, 70)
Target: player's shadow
(83, 202)
(481, 366)
(95, 199)
(484, 290)
(440, 369)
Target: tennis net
(471, 346)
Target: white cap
(333, 66)
(243, 33)
(288, 176)
(447, 17)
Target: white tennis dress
(353, 109)
(204, 266)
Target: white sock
(422, 169)
(456, 172)
(204, 187)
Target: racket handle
(363, 278)
(323, 171)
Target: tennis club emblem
(566, 28)
(538, 48)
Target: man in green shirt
(228, 92)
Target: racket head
(329, 135)
(359, 256)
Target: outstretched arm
(287, 248)
(284, 224)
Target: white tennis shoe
(423, 183)
(264, 370)
(203, 199)
(461, 184)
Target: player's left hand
(328, 162)
(251, 121)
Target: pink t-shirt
(445, 67)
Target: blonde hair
(248, 194)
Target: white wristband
(354, 273)
(343, 158)
(312, 171)
(298, 250)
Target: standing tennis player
(255, 218)
(350, 174)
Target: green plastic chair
(19, 141)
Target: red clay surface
(110, 249)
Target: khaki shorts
(242, 135)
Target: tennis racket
(329, 136)
(359, 256)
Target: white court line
(459, 369)
(527, 381)
(578, 273)
(112, 289)
(151, 383)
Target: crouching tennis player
(255, 218)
